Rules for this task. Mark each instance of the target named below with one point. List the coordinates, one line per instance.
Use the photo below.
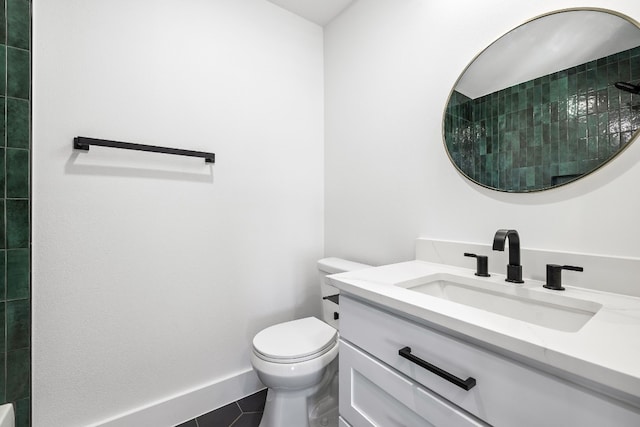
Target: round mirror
(547, 103)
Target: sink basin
(539, 308)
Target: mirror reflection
(547, 103)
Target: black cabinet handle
(467, 384)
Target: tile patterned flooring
(246, 412)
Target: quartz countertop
(603, 352)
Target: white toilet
(298, 362)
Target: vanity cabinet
(379, 396)
(378, 387)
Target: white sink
(533, 306)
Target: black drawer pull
(467, 384)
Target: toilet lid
(295, 339)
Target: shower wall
(15, 295)
(548, 130)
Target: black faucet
(514, 269)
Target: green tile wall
(548, 130)
(15, 191)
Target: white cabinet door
(506, 394)
(372, 394)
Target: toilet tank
(326, 266)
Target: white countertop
(606, 350)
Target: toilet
(298, 362)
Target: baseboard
(188, 405)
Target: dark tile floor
(246, 412)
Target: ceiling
(546, 45)
(319, 11)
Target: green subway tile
(613, 74)
(18, 23)
(18, 374)
(582, 105)
(2, 223)
(17, 224)
(592, 124)
(627, 120)
(18, 324)
(3, 24)
(624, 71)
(572, 83)
(530, 177)
(554, 110)
(3, 378)
(3, 123)
(614, 121)
(592, 148)
(605, 149)
(3, 341)
(23, 413)
(18, 73)
(563, 87)
(17, 173)
(546, 93)
(530, 97)
(592, 103)
(18, 267)
(602, 97)
(562, 110)
(3, 282)
(2, 175)
(625, 138)
(522, 99)
(625, 98)
(603, 123)
(582, 149)
(624, 55)
(613, 94)
(634, 67)
(3, 69)
(554, 90)
(18, 123)
(602, 76)
(582, 83)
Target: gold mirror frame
(510, 139)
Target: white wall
(152, 273)
(389, 68)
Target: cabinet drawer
(506, 392)
(381, 397)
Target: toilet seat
(295, 341)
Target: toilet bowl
(297, 361)
(298, 377)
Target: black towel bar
(83, 143)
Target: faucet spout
(514, 269)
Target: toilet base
(317, 407)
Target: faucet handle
(482, 264)
(554, 275)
